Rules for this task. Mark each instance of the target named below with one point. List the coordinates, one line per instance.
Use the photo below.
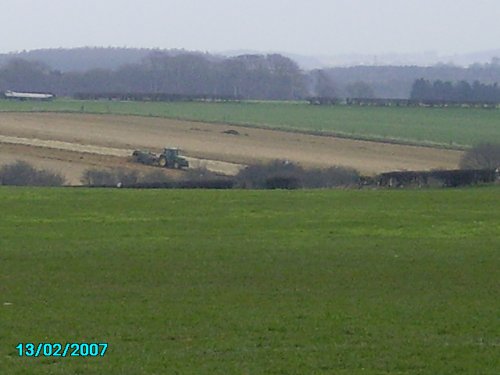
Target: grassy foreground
(444, 127)
(242, 282)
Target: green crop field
(444, 127)
(252, 282)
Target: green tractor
(170, 158)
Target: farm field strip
(221, 142)
(216, 166)
(438, 127)
(258, 282)
(75, 147)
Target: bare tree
(482, 156)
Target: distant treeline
(178, 72)
(397, 81)
(382, 102)
(458, 92)
(150, 97)
(249, 77)
(84, 58)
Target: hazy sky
(314, 27)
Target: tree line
(396, 82)
(179, 72)
(268, 77)
(458, 92)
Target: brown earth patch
(209, 141)
(70, 164)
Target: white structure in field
(27, 95)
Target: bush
(106, 177)
(261, 176)
(21, 173)
(280, 182)
(200, 174)
(286, 175)
(127, 177)
(201, 178)
(98, 177)
(155, 177)
(331, 177)
(482, 156)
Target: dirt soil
(240, 145)
(71, 164)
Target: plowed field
(226, 143)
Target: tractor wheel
(162, 162)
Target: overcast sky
(311, 27)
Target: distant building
(28, 95)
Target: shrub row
(21, 173)
(285, 175)
(193, 179)
(444, 178)
(275, 175)
(479, 165)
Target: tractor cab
(170, 158)
(171, 153)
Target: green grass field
(252, 282)
(444, 127)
